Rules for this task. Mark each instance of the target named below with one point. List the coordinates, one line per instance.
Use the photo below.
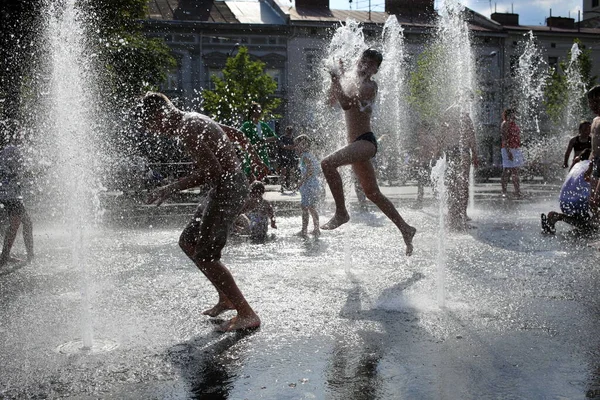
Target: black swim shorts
(369, 137)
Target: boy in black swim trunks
(356, 94)
(216, 164)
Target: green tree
(424, 91)
(130, 62)
(243, 82)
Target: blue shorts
(309, 194)
(517, 160)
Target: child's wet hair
(374, 55)
(583, 124)
(594, 93)
(257, 187)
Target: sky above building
(531, 12)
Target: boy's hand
(159, 195)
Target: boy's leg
(28, 235)
(223, 281)
(188, 241)
(9, 237)
(350, 154)
(366, 175)
(504, 180)
(516, 183)
(304, 221)
(315, 216)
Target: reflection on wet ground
(346, 315)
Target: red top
(513, 137)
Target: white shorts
(517, 160)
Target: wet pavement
(345, 316)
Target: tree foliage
(243, 82)
(130, 62)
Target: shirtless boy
(216, 164)
(594, 103)
(356, 98)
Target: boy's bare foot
(408, 240)
(337, 220)
(316, 232)
(301, 234)
(240, 323)
(219, 308)
(10, 259)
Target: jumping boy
(356, 98)
(216, 164)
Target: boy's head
(593, 96)
(585, 128)
(254, 111)
(154, 110)
(369, 62)
(289, 130)
(257, 188)
(509, 114)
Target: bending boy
(216, 164)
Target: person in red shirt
(512, 156)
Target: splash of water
(531, 74)
(438, 174)
(391, 113)
(72, 133)
(576, 91)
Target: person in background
(288, 160)
(574, 199)
(260, 135)
(256, 214)
(512, 156)
(579, 143)
(308, 185)
(11, 199)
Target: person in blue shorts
(574, 199)
(308, 185)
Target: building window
(272, 40)
(595, 3)
(276, 74)
(172, 83)
(553, 45)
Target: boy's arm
(194, 179)
(338, 92)
(237, 136)
(568, 153)
(472, 140)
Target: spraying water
(391, 113)
(72, 132)
(576, 91)
(531, 74)
(438, 173)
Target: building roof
(255, 12)
(191, 10)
